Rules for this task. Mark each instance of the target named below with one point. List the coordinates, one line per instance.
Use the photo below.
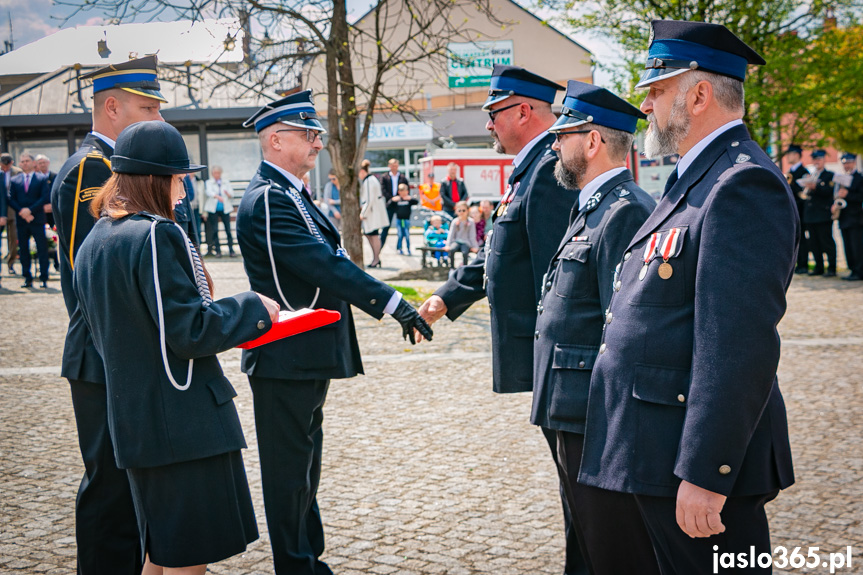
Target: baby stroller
(436, 238)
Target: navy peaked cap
(140, 76)
(849, 157)
(153, 148)
(794, 148)
(509, 81)
(586, 103)
(296, 110)
(819, 154)
(681, 45)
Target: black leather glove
(406, 315)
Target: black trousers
(11, 237)
(608, 524)
(679, 554)
(820, 243)
(213, 243)
(37, 231)
(803, 251)
(575, 563)
(106, 529)
(288, 418)
(391, 212)
(852, 238)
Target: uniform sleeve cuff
(393, 303)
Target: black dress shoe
(801, 271)
(27, 285)
(830, 275)
(816, 273)
(852, 278)
(43, 285)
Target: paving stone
(425, 470)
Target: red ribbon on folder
(294, 322)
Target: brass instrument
(839, 204)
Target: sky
(35, 19)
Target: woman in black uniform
(145, 295)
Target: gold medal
(665, 270)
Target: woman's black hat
(152, 148)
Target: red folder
(294, 322)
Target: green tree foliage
(810, 89)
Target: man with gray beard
(594, 136)
(685, 410)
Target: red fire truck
(485, 172)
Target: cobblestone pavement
(427, 471)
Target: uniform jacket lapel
(581, 218)
(539, 150)
(267, 172)
(692, 176)
(99, 144)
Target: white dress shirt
(686, 160)
(595, 184)
(105, 139)
(519, 158)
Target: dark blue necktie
(672, 179)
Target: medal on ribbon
(649, 253)
(508, 197)
(669, 249)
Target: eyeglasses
(493, 113)
(558, 135)
(311, 135)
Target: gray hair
(41, 157)
(727, 91)
(618, 142)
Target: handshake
(416, 324)
(429, 312)
(413, 325)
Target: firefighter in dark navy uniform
(105, 526)
(794, 154)
(291, 253)
(685, 410)
(818, 218)
(849, 204)
(594, 137)
(527, 226)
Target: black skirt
(194, 512)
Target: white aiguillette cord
(161, 310)
(313, 229)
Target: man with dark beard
(685, 410)
(594, 136)
(526, 230)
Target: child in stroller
(435, 234)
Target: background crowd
(457, 225)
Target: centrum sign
(470, 63)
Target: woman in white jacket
(218, 206)
(373, 211)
